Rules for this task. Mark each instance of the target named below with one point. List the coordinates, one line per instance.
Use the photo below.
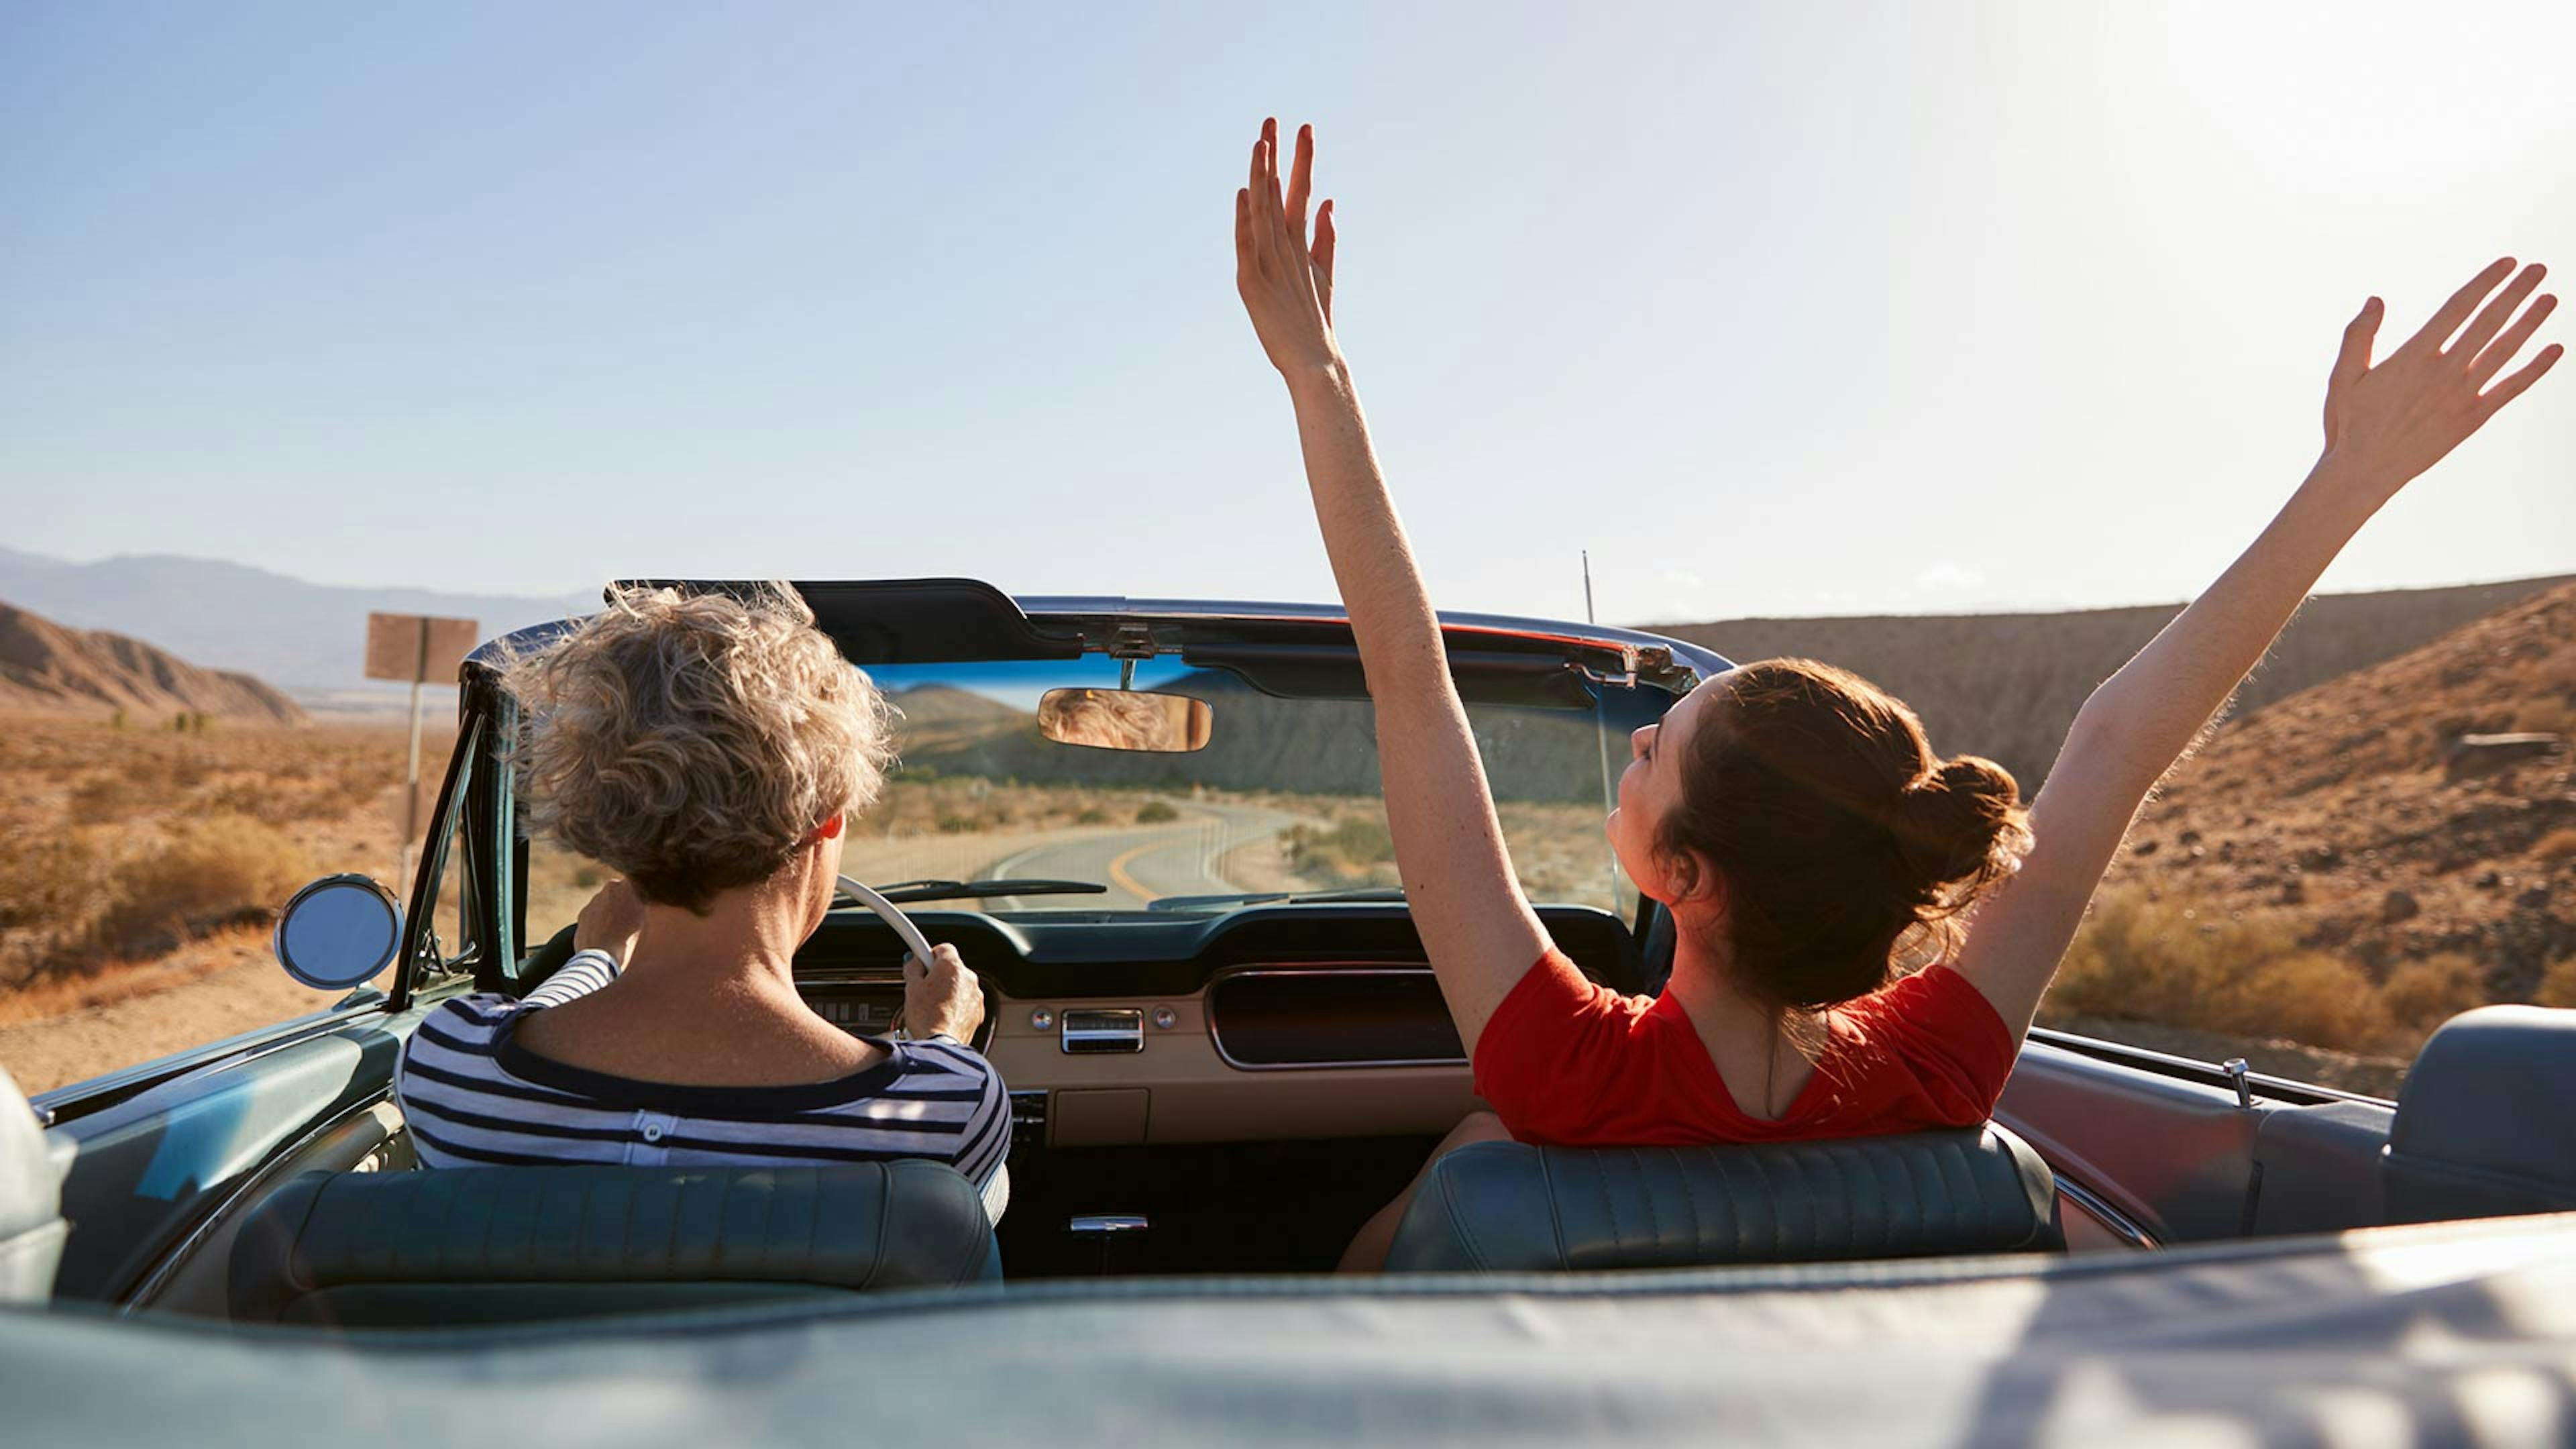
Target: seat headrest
(31, 1204)
(2481, 1127)
(1506, 1207)
(491, 1244)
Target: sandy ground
(204, 992)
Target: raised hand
(1286, 279)
(2388, 423)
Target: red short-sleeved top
(1567, 1063)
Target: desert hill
(2007, 685)
(2354, 810)
(45, 666)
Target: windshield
(1283, 799)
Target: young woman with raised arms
(1790, 814)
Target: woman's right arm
(2384, 426)
(1478, 930)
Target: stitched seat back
(1509, 1207)
(496, 1244)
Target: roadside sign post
(415, 648)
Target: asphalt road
(1178, 858)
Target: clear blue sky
(1790, 309)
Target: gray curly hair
(693, 740)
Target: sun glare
(2367, 102)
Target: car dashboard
(1267, 1022)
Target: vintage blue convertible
(1224, 1050)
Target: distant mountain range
(2007, 686)
(308, 639)
(44, 666)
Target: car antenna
(1609, 790)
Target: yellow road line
(1119, 877)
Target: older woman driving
(713, 750)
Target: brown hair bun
(1961, 825)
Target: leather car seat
(2482, 1127)
(1507, 1207)
(514, 1244)
(31, 1206)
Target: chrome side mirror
(1125, 719)
(338, 932)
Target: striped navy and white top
(472, 1096)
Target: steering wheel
(549, 958)
(892, 914)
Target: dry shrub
(212, 871)
(2557, 985)
(260, 799)
(1559, 852)
(110, 796)
(2557, 845)
(922, 802)
(1354, 850)
(54, 993)
(2308, 997)
(2421, 995)
(286, 798)
(2138, 961)
(49, 881)
(355, 788)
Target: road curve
(1176, 858)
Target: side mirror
(1125, 719)
(338, 932)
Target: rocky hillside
(2007, 685)
(2421, 809)
(44, 666)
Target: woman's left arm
(1477, 928)
(2384, 425)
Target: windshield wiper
(1270, 898)
(949, 890)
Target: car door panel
(2174, 1155)
(2318, 1168)
(146, 1171)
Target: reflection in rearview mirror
(1125, 719)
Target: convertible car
(1153, 829)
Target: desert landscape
(2354, 864)
(2382, 835)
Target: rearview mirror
(1125, 719)
(338, 932)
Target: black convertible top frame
(903, 621)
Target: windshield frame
(918, 623)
